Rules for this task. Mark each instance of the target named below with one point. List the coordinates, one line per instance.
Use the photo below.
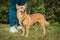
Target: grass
(52, 33)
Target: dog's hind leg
(37, 26)
(36, 29)
(43, 26)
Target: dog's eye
(21, 7)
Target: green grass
(52, 33)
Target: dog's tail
(47, 23)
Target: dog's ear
(17, 6)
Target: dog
(26, 20)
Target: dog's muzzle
(23, 11)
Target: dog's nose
(22, 12)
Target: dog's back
(39, 17)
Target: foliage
(49, 8)
(4, 8)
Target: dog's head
(21, 10)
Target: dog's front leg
(23, 30)
(27, 31)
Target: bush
(50, 9)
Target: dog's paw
(26, 35)
(22, 34)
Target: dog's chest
(27, 21)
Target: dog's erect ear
(17, 6)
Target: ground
(52, 33)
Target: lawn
(52, 33)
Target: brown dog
(26, 20)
